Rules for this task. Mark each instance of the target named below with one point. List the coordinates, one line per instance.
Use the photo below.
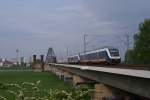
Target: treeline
(140, 54)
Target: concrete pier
(78, 80)
(102, 92)
(38, 64)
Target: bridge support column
(37, 67)
(68, 77)
(59, 73)
(77, 80)
(102, 92)
(47, 67)
(54, 70)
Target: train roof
(73, 56)
(98, 50)
(94, 51)
(109, 47)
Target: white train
(106, 55)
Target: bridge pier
(37, 67)
(38, 64)
(47, 67)
(78, 80)
(105, 92)
(102, 92)
(68, 77)
(59, 73)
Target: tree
(142, 43)
(129, 56)
(141, 50)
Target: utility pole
(127, 41)
(84, 42)
(17, 51)
(30, 60)
(67, 52)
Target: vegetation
(32, 91)
(140, 54)
(28, 85)
(16, 68)
(129, 56)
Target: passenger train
(106, 55)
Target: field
(48, 80)
(16, 68)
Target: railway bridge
(130, 80)
(106, 80)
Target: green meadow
(47, 80)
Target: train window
(114, 53)
(99, 55)
(96, 55)
(81, 57)
(102, 55)
(86, 57)
(93, 56)
(89, 56)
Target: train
(105, 55)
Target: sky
(32, 26)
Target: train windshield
(114, 52)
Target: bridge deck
(129, 72)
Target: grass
(16, 68)
(48, 80)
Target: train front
(114, 56)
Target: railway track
(125, 66)
(122, 66)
